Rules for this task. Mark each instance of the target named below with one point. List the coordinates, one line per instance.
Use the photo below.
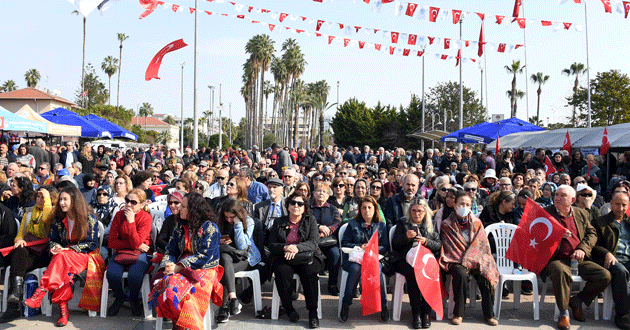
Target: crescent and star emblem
(544, 221)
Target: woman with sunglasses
(131, 231)
(376, 191)
(174, 204)
(438, 195)
(585, 198)
(238, 253)
(104, 206)
(188, 276)
(73, 244)
(236, 189)
(359, 231)
(292, 235)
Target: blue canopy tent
(117, 131)
(12, 122)
(488, 132)
(67, 117)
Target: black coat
(8, 228)
(309, 237)
(607, 236)
(401, 245)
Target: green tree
(576, 69)
(354, 124)
(145, 111)
(295, 63)
(515, 95)
(610, 99)
(96, 91)
(514, 69)
(32, 77)
(540, 79)
(8, 86)
(213, 141)
(137, 130)
(164, 137)
(109, 66)
(444, 97)
(121, 37)
(170, 120)
(119, 116)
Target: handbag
(301, 259)
(327, 241)
(386, 265)
(36, 249)
(236, 254)
(127, 257)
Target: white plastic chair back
(158, 219)
(391, 236)
(101, 234)
(161, 198)
(341, 231)
(502, 234)
(160, 206)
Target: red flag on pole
(607, 6)
(567, 143)
(459, 56)
(154, 66)
(605, 143)
(549, 168)
(517, 8)
(534, 244)
(433, 14)
(626, 7)
(371, 278)
(427, 272)
(480, 51)
(498, 147)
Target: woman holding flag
(359, 231)
(466, 251)
(417, 228)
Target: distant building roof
(149, 121)
(31, 93)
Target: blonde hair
(142, 196)
(428, 214)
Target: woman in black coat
(290, 237)
(417, 228)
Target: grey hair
(570, 189)
(78, 165)
(247, 172)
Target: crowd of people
(281, 211)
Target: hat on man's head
(63, 171)
(580, 187)
(102, 167)
(275, 181)
(203, 163)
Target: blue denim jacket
(357, 234)
(243, 240)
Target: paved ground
(521, 318)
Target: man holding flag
(576, 243)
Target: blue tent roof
(67, 117)
(488, 132)
(117, 131)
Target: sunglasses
(156, 176)
(231, 184)
(294, 203)
(382, 173)
(470, 189)
(327, 179)
(444, 189)
(102, 194)
(343, 173)
(360, 168)
(376, 187)
(42, 168)
(174, 202)
(586, 195)
(339, 185)
(131, 201)
(220, 178)
(317, 179)
(581, 182)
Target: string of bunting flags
(622, 7)
(391, 50)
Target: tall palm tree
(32, 77)
(268, 88)
(76, 12)
(540, 79)
(264, 53)
(145, 111)
(110, 66)
(164, 136)
(515, 95)
(295, 64)
(279, 71)
(121, 37)
(514, 69)
(206, 115)
(189, 122)
(249, 81)
(576, 69)
(8, 86)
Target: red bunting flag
(431, 39)
(357, 28)
(567, 25)
(240, 16)
(391, 50)
(626, 7)
(549, 168)
(346, 42)
(412, 39)
(605, 143)
(371, 277)
(192, 10)
(340, 26)
(154, 66)
(607, 6)
(456, 16)
(283, 16)
(536, 238)
(420, 53)
(175, 7)
(567, 143)
(500, 19)
(406, 52)
(317, 34)
(481, 42)
(319, 25)
(387, 1)
(377, 47)
(501, 48)
(521, 22)
(517, 8)
(444, 57)
(459, 56)
(447, 43)
(497, 148)
(394, 37)
(84, 93)
(249, 9)
(433, 13)
(361, 44)
(411, 9)
(149, 6)
(467, 43)
(330, 39)
(427, 274)
(546, 23)
(482, 16)
(271, 26)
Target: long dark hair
(369, 199)
(199, 211)
(27, 189)
(231, 206)
(79, 211)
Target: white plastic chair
(608, 304)
(145, 291)
(576, 279)
(161, 198)
(275, 299)
(160, 206)
(502, 234)
(158, 219)
(254, 275)
(207, 320)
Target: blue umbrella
(67, 117)
(117, 131)
(488, 132)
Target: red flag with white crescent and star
(371, 277)
(567, 143)
(549, 168)
(411, 9)
(498, 147)
(536, 238)
(154, 66)
(480, 50)
(428, 278)
(433, 14)
(607, 6)
(626, 7)
(605, 143)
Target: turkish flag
(361, 44)
(521, 22)
(607, 6)
(481, 43)
(149, 6)
(626, 7)
(394, 37)
(412, 39)
(406, 52)
(498, 147)
(444, 57)
(482, 16)
(330, 39)
(456, 15)
(500, 19)
(459, 56)
(567, 143)
(501, 48)
(431, 39)
(283, 16)
(319, 25)
(517, 8)
(536, 238)
(427, 272)
(154, 66)
(549, 168)
(391, 50)
(377, 47)
(433, 13)
(420, 53)
(546, 23)
(175, 7)
(387, 1)
(371, 278)
(567, 25)
(271, 26)
(605, 143)
(346, 42)
(411, 9)
(447, 43)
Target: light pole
(337, 94)
(211, 108)
(195, 115)
(220, 121)
(461, 87)
(181, 119)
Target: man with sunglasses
(43, 174)
(290, 180)
(218, 188)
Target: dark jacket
(349, 157)
(535, 164)
(283, 161)
(75, 156)
(205, 247)
(8, 228)
(586, 231)
(261, 211)
(88, 165)
(357, 234)
(165, 233)
(333, 201)
(401, 245)
(393, 208)
(607, 236)
(327, 215)
(218, 202)
(18, 207)
(309, 237)
(40, 155)
(59, 235)
(490, 214)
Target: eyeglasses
(288, 176)
(220, 178)
(361, 168)
(317, 179)
(327, 179)
(131, 201)
(376, 187)
(382, 173)
(174, 202)
(581, 182)
(42, 168)
(444, 189)
(102, 194)
(294, 203)
(343, 173)
(156, 176)
(586, 195)
(231, 184)
(470, 189)
(339, 185)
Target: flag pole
(485, 66)
(423, 104)
(461, 88)
(588, 70)
(195, 124)
(526, 76)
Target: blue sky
(44, 35)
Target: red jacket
(125, 235)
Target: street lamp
(211, 108)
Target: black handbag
(386, 265)
(236, 254)
(327, 241)
(301, 259)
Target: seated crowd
(280, 211)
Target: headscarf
(104, 210)
(544, 202)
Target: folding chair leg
(497, 299)
(535, 299)
(257, 293)
(146, 290)
(342, 289)
(104, 295)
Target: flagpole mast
(423, 104)
(588, 70)
(195, 124)
(181, 119)
(461, 88)
(526, 76)
(485, 66)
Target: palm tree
(279, 71)
(249, 80)
(206, 116)
(8, 86)
(540, 79)
(145, 111)
(32, 77)
(264, 53)
(295, 64)
(164, 136)
(110, 66)
(121, 37)
(189, 122)
(268, 88)
(514, 69)
(576, 69)
(76, 12)
(515, 95)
